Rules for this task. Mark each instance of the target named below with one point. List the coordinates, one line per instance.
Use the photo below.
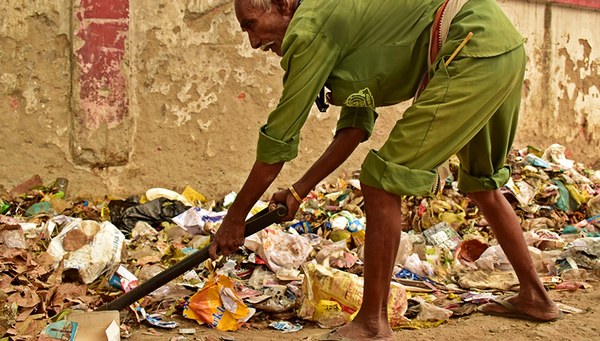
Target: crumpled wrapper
(102, 253)
(279, 249)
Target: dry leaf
(74, 240)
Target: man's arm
(230, 235)
(342, 146)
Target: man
(381, 52)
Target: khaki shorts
(470, 109)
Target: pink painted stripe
(580, 3)
(105, 9)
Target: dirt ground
(477, 326)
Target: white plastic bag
(429, 312)
(405, 249)
(495, 258)
(279, 249)
(101, 254)
(194, 219)
(415, 265)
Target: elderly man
(373, 53)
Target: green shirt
(369, 53)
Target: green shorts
(470, 109)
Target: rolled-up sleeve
(357, 117)
(308, 60)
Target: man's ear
(283, 6)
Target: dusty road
(585, 326)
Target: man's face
(265, 29)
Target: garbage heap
(59, 256)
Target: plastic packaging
(125, 214)
(405, 249)
(418, 245)
(574, 275)
(194, 219)
(321, 283)
(416, 265)
(556, 154)
(593, 207)
(218, 306)
(12, 236)
(44, 207)
(279, 249)
(443, 235)
(156, 193)
(101, 255)
(494, 258)
(429, 312)
(285, 326)
(329, 314)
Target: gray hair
(263, 4)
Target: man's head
(265, 21)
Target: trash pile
(59, 258)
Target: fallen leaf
(24, 314)
(74, 240)
(148, 260)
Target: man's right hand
(228, 239)
(285, 197)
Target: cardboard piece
(94, 326)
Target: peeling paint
(103, 32)
(204, 126)
(30, 95)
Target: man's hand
(230, 235)
(228, 238)
(288, 200)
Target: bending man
(372, 53)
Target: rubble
(60, 257)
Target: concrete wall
(120, 96)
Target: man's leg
(532, 298)
(383, 212)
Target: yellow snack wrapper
(218, 306)
(191, 195)
(324, 288)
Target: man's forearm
(338, 151)
(260, 178)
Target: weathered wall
(562, 83)
(120, 96)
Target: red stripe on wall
(581, 3)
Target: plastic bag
(194, 219)
(329, 314)
(345, 289)
(279, 249)
(218, 306)
(416, 265)
(556, 154)
(593, 207)
(102, 254)
(429, 312)
(125, 214)
(495, 258)
(405, 249)
(443, 235)
(12, 236)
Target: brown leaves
(34, 289)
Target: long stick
(258, 222)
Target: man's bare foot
(358, 331)
(539, 309)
